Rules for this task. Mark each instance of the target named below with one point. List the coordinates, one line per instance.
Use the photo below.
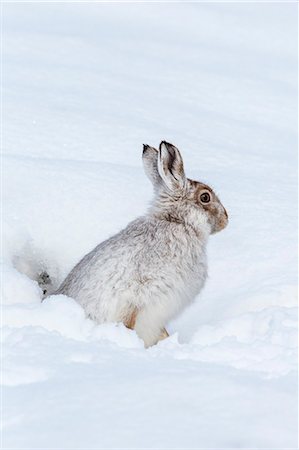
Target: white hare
(150, 271)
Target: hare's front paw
(164, 334)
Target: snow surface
(84, 85)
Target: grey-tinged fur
(149, 272)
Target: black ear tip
(145, 147)
(168, 145)
(163, 143)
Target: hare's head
(178, 197)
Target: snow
(84, 85)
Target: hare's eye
(205, 197)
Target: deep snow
(84, 85)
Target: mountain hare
(150, 271)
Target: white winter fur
(157, 265)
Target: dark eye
(205, 197)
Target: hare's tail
(45, 283)
(39, 268)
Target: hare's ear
(150, 164)
(171, 167)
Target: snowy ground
(84, 85)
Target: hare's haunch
(150, 271)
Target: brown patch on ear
(130, 320)
(170, 166)
(175, 164)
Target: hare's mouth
(223, 222)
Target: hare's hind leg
(150, 336)
(149, 325)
